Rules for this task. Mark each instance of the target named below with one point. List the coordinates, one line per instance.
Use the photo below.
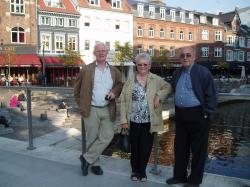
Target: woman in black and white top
(141, 112)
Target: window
(190, 36)
(161, 50)
(139, 32)
(116, 3)
(162, 33)
(191, 17)
(172, 52)
(172, 35)
(72, 44)
(17, 6)
(107, 25)
(108, 45)
(217, 52)
(46, 42)
(229, 55)
(230, 40)
(59, 40)
(182, 15)
(17, 35)
(151, 12)
(45, 20)
(215, 21)
(248, 56)
(203, 19)
(54, 3)
(72, 23)
(140, 9)
(181, 35)
(117, 25)
(94, 2)
(172, 14)
(241, 56)
(248, 42)
(241, 41)
(139, 49)
(97, 23)
(86, 45)
(162, 13)
(218, 35)
(151, 33)
(204, 51)
(126, 26)
(151, 50)
(86, 21)
(205, 35)
(59, 21)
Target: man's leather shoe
(191, 185)
(84, 166)
(175, 181)
(97, 170)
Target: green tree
(123, 54)
(163, 60)
(70, 58)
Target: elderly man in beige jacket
(96, 88)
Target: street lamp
(43, 66)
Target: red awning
(57, 62)
(20, 60)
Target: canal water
(229, 142)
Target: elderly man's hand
(111, 95)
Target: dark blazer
(203, 87)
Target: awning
(51, 61)
(20, 60)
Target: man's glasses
(142, 65)
(183, 55)
(101, 51)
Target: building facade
(158, 27)
(104, 21)
(18, 39)
(58, 31)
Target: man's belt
(99, 106)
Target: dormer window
(116, 3)
(215, 21)
(203, 19)
(172, 14)
(191, 17)
(152, 12)
(54, 3)
(162, 13)
(182, 15)
(94, 2)
(140, 10)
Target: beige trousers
(99, 133)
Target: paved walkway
(52, 166)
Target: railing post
(83, 137)
(29, 115)
(155, 169)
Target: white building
(104, 21)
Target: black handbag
(124, 143)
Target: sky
(211, 6)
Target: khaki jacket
(84, 86)
(155, 86)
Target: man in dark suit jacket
(195, 103)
